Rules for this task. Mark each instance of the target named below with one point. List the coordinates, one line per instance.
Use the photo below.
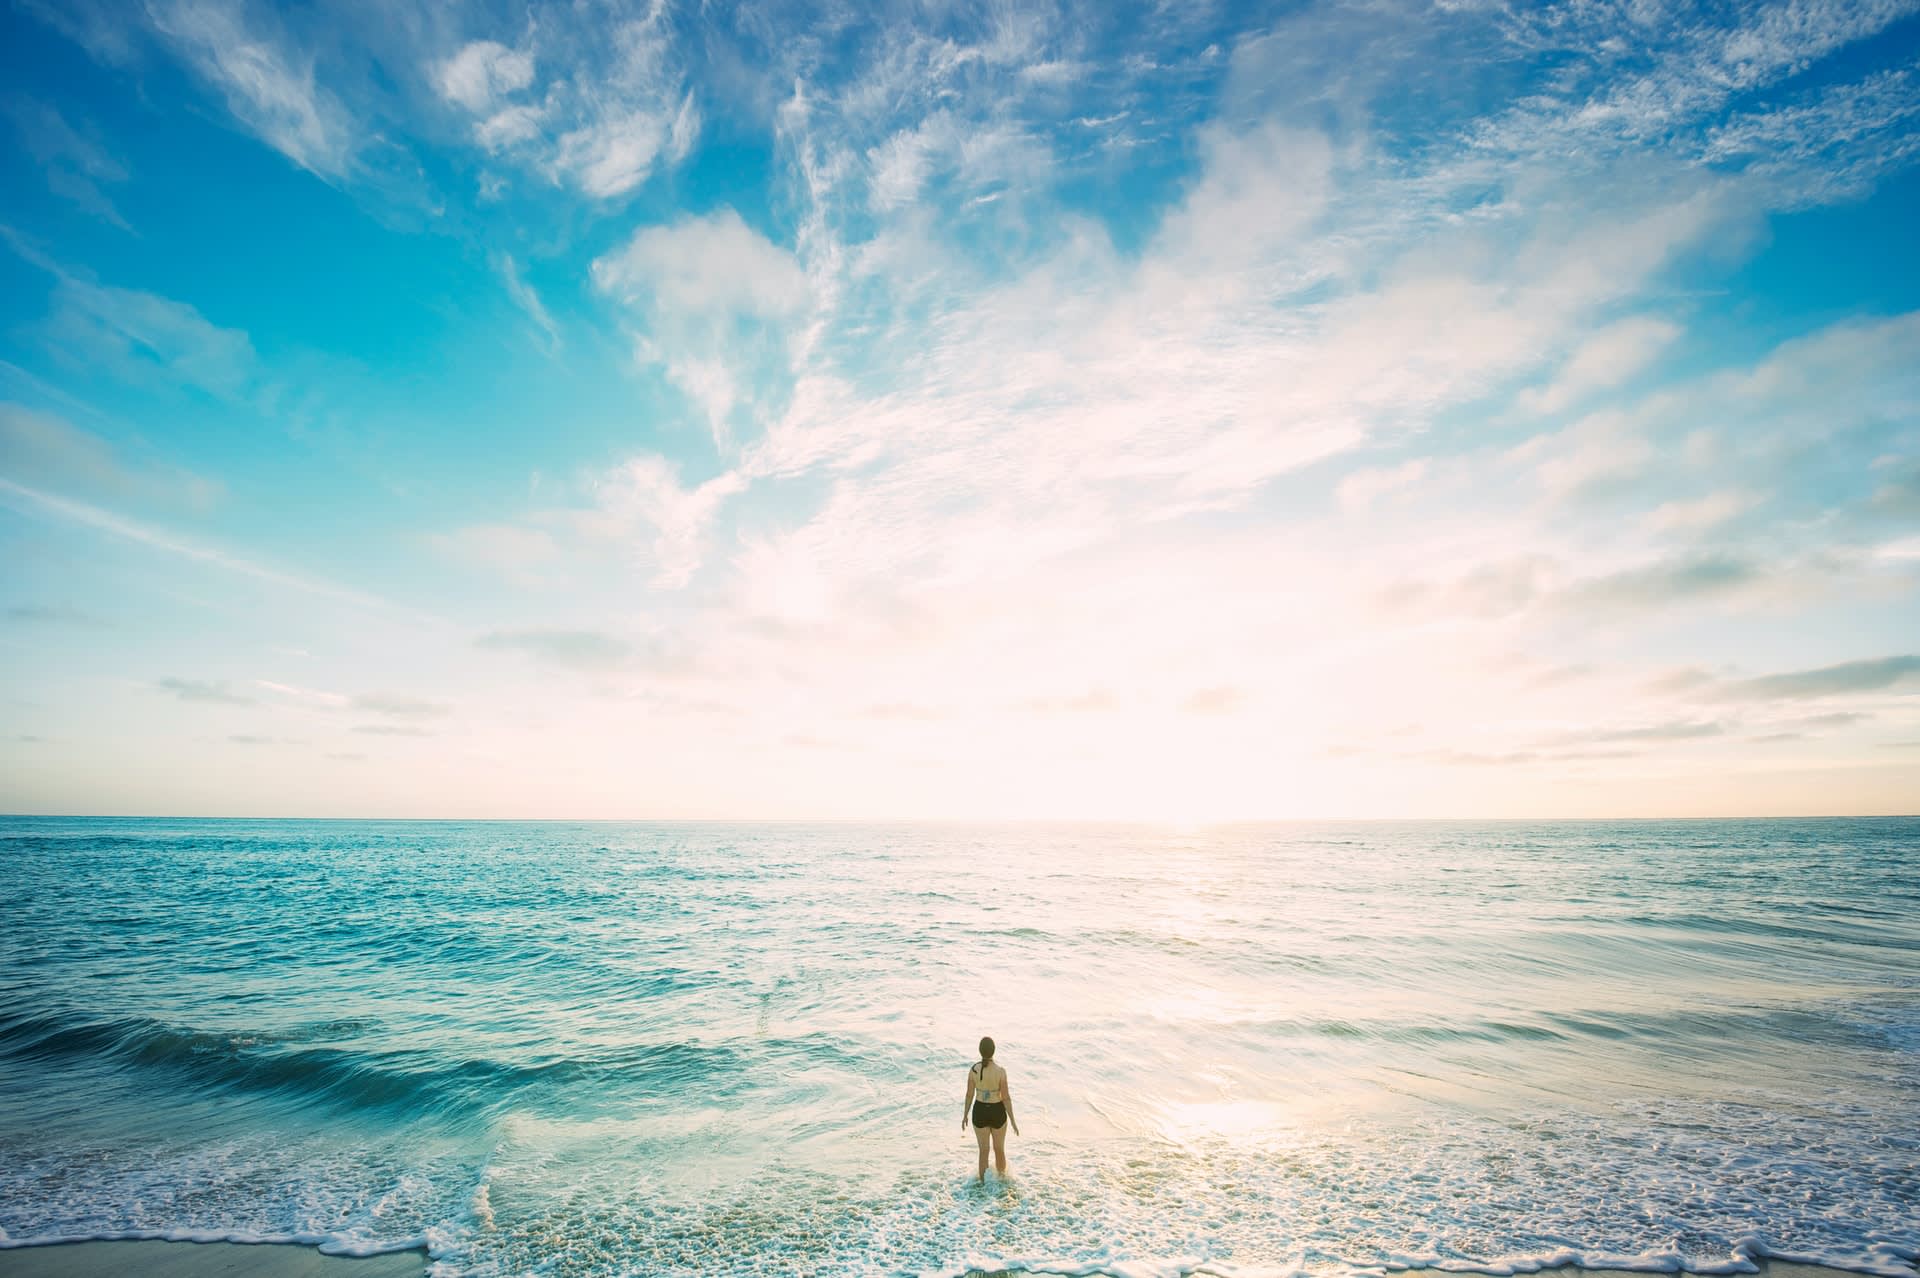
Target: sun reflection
(1187, 1119)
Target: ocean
(711, 1049)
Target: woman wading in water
(991, 1106)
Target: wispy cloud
(1667, 581)
(574, 649)
(643, 502)
(315, 698)
(146, 340)
(98, 26)
(39, 450)
(56, 615)
(392, 705)
(269, 85)
(523, 555)
(1697, 514)
(611, 109)
(398, 706)
(1605, 359)
(1362, 488)
(1806, 727)
(905, 711)
(1688, 73)
(1841, 679)
(1092, 701)
(1830, 143)
(130, 530)
(1900, 494)
(73, 163)
(529, 301)
(203, 691)
(1675, 730)
(1219, 700)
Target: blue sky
(1173, 412)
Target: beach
(234, 1260)
(156, 1259)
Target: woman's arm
(967, 1104)
(1006, 1095)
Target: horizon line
(1177, 823)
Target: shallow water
(667, 1049)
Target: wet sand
(192, 1260)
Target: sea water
(716, 1049)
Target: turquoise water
(709, 1049)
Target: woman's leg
(980, 1134)
(999, 1151)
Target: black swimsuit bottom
(991, 1115)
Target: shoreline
(185, 1258)
(165, 1258)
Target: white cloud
(1054, 73)
(510, 127)
(637, 509)
(704, 265)
(1697, 514)
(716, 304)
(1361, 489)
(979, 160)
(1596, 453)
(613, 154)
(902, 162)
(1259, 189)
(1091, 395)
(613, 108)
(644, 498)
(481, 73)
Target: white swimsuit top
(980, 1093)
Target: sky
(892, 411)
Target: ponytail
(986, 1057)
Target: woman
(991, 1107)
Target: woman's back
(988, 1082)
